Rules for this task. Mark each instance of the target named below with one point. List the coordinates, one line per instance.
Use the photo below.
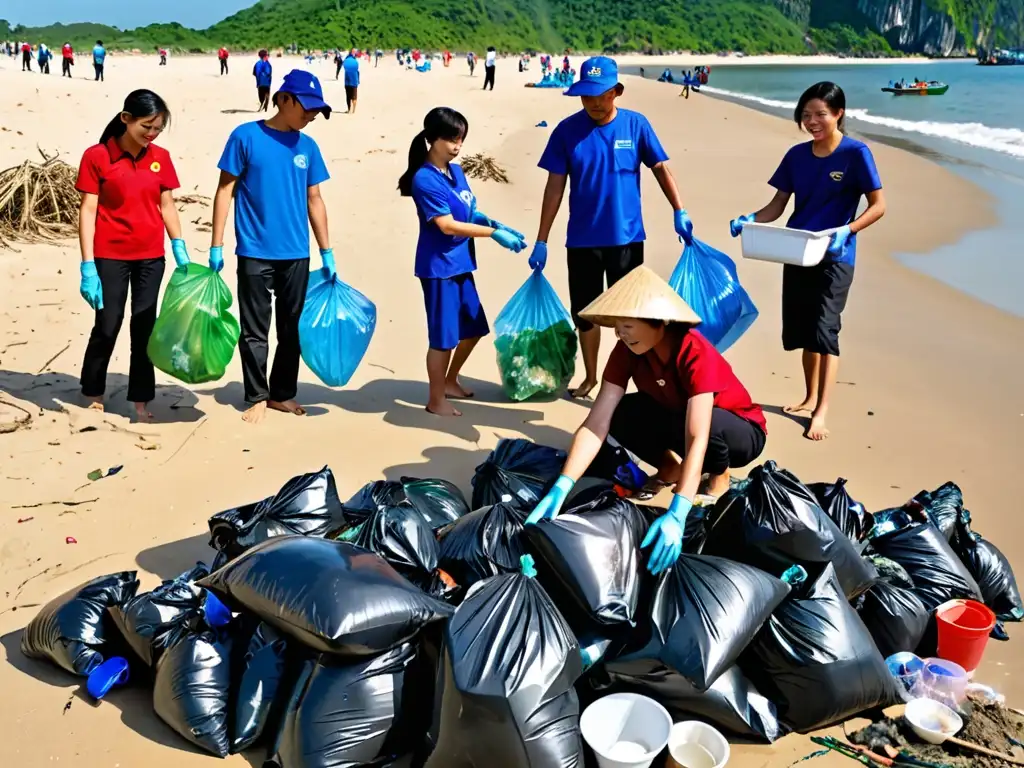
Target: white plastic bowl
(932, 721)
(694, 744)
(782, 245)
(625, 730)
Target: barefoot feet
(807, 406)
(286, 406)
(442, 408)
(817, 430)
(454, 389)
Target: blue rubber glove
(668, 530)
(327, 257)
(736, 225)
(91, 288)
(550, 505)
(506, 239)
(180, 253)
(217, 258)
(839, 240)
(539, 257)
(684, 227)
(485, 221)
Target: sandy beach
(930, 380)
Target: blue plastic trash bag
(707, 281)
(335, 329)
(535, 340)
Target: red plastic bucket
(964, 627)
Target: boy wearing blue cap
(600, 149)
(274, 172)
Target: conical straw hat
(642, 295)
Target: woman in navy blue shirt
(445, 257)
(827, 176)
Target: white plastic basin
(782, 245)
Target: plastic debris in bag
(891, 572)
(347, 715)
(990, 568)
(484, 543)
(438, 501)
(817, 661)
(73, 630)
(732, 703)
(195, 336)
(192, 685)
(331, 596)
(401, 536)
(706, 279)
(148, 621)
(704, 613)
(262, 692)
(589, 561)
(307, 505)
(849, 515)
(772, 521)
(335, 328)
(536, 341)
(943, 506)
(895, 617)
(510, 662)
(933, 566)
(519, 469)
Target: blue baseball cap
(597, 75)
(305, 87)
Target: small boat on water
(933, 88)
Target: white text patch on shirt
(623, 143)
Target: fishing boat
(933, 88)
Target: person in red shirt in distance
(222, 55)
(690, 416)
(127, 204)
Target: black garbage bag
(589, 561)
(732, 703)
(74, 630)
(401, 535)
(895, 617)
(192, 686)
(943, 506)
(331, 596)
(262, 691)
(891, 572)
(704, 613)
(148, 621)
(771, 521)
(990, 568)
(937, 573)
(438, 501)
(484, 543)
(371, 498)
(519, 469)
(510, 662)
(347, 715)
(307, 505)
(816, 660)
(851, 517)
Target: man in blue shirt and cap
(600, 150)
(351, 67)
(274, 172)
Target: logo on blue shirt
(300, 161)
(836, 175)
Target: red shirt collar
(116, 153)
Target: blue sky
(121, 13)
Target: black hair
(828, 92)
(490, 47)
(139, 104)
(440, 123)
(99, 42)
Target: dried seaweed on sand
(38, 202)
(481, 166)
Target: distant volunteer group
(691, 417)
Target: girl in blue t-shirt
(445, 257)
(827, 176)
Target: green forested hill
(753, 26)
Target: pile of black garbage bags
(408, 624)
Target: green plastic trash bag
(535, 340)
(195, 335)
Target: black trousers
(65, 67)
(26, 61)
(813, 300)
(44, 67)
(648, 429)
(588, 269)
(116, 277)
(489, 77)
(223, 66)
(263, 94)
(99, 70)
(287, 280)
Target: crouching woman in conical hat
(690, 416)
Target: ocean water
(976, 130)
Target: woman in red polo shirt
(690, 415)
(126, 184)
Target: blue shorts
(454, 312)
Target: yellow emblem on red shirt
(154, 167)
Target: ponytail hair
(440, 123)
(138, 105)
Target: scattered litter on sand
(481, 166)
